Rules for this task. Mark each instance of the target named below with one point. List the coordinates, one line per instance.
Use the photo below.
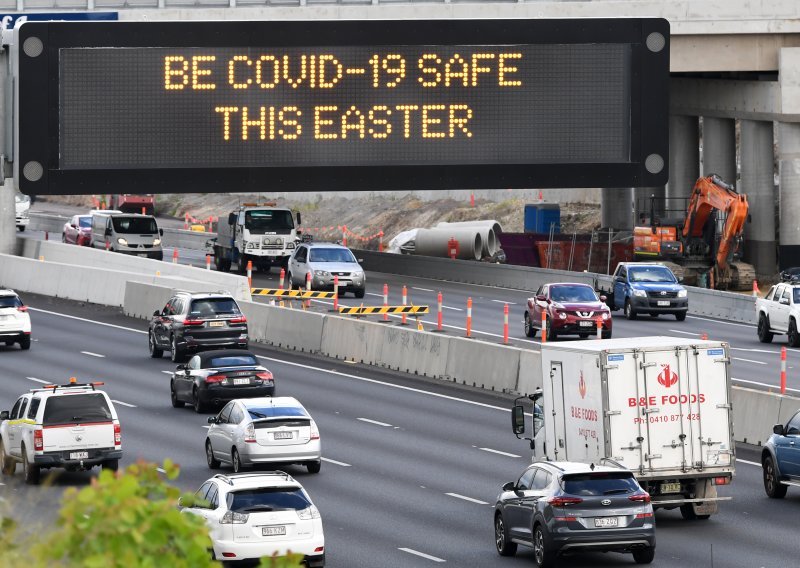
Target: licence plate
(142, 254)
(241, 381)
(78, 455)
(283, 435)
(216, 324)
(586, 323)
(273, 531)
(663, 302)
(606, 522)
(4, 318)
(670, 488)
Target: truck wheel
(680, 316)
(644, 555)
(530, 331)
(764, 335)
(773, 487)
(111, 465)
(630, 313)
(226, 265)
(687, 512)
(30, 471)
(7, 464)
(794, 336)
(217, 261)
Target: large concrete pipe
(433, 242)
(488, 230)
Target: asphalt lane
(415, 463)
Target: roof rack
(228, 478)
(73, 383)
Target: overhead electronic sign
(341, 105)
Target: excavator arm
(711, 193)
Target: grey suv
(192, 322)
(564, 507)
(323, 261)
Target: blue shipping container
(539, 217)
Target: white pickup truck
(779, 312)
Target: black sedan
(215, 377)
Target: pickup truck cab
(644, 288)
(778, 313)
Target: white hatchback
(15, 323)
(252, 515)
(252, 431)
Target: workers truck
(265, 235)
(658, 406)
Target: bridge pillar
(684, 156)
(616, 207)
(719, 148)
(757, 156)
(789, 168)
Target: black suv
(192, 322)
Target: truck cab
(645, 288)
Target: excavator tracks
(742, 276)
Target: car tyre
(198, 405)
(680, 316)
(176, 353)
(173, 396)
(111, 465)
(764, 335)
(213, 463)
(644, 555)
(360, 293)
(501, 537)
(772, 486)
(607, 334)
(63, 237)
(236, 461)
(794, 336)
(552, 334)
(155, 352)
(530, 331)
(289, 285)
(542, 557)
(7, 464)
(30, 471)
(314, 467)
(630, 313)
(9, 342)
(25, 342)
(583, 335)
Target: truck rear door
(79, 421)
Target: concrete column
(684, 155)
(756, 149)
(719, 148)
(616, 207)
(789, 167)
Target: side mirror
(509, 486)
(777, 429)
(784, 301)
(4, 415)
(603, 298)
(180, 367)
(231, 218)
(299, 222)
(680, 279)
(156, 313)
(73, 225)
(360, 260)
(212, 420)
(518, 419)
(161, 232)
(541, 298)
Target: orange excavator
(702, 247)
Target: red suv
(570, 309)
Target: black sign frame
(37, 121)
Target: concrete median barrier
(355, 340)
(179, 238)
(487, 365)
(530, 371)
(142, 299)
(417, 352)
(283, 327)
(754, 414)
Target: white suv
(252, 515)
(15, 323)
(72, 426)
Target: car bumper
(219, 394)
(154, 254)
(195, 343)
(58, 459)
(574, 327)
(6, 334)
(625, 540)
(23, 221)
(251, 550)
(651, 305)
(252, 454)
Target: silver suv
(323, 261)
(564, 507)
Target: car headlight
(321, 273)
(682, 293)
(156, 242)
(640, 293)
(560, 315)
(122, 241)
(358, 275)
(289, 246)
(250, 246)
(604, 315)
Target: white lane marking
(755, 350)
(334, 462)
(384, 424)
(385, 384)
(762, 384)
(422, 555)
(748, 360)
(421, 289)
(454, 309)
(34, 379)
(683, 332)
(490, 450)
(129, 405)
(374, 294)
(90, 354)
(739, 460)
(465, 498)
(722, 322)
(87, 320)
(505, 302)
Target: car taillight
(38, 442)
(117, 434)
(723, 480)
(215, 378)
(314, 431)
(644, 515)
(640, 497)
(22, 308)
(564, 501)
(250, 433)
(234, 518)
(565, 519)
(191, 322)
(240, 319)
(264, 376)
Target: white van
(127, 233)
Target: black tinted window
(268, 221)
(526, 480)
(331, 255)
(9, 302)
(143, 225)
(210, 307)
(225, 413)
(268, 499)
(85, 222)
(793, 428)
(541, 481)
(231, 361)
(34, 408)
(74, 408)
(15, 409)
(275, 412)
(600, 483)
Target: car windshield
(268, 221)
(275, 411)
(651, 274)
(210, 307)
(268, 499)
(231, 361)
(76, 408)
(10, 302)
(85, 222)
(331, 255)
(140, 225)
(572, 294)
(600, 483)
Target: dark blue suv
(780, 458)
